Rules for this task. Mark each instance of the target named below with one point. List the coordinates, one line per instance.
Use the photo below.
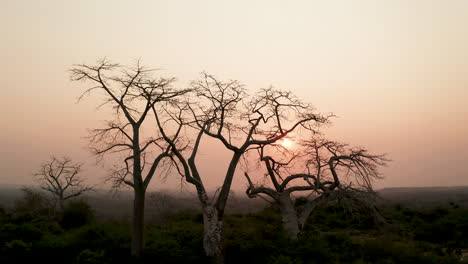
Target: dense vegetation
(331, 235)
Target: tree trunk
(289, 215)
(139, 199)
(138, 223)
(307, 210)
(213, 234)
(61, 203)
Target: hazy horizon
(394, 72)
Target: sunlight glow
(287, 143)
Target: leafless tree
(133, 93)
(225, 112)
(327, 170)
(60, 178)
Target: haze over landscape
(394, 72)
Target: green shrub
(180, 240)
(26, 232)
(32, 204)
(4, 216)
(76, 214)
(16, 251)
(281, 259)
(88, 256)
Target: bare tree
(225, 112)
(327, 170)
(60, 178)
(132, 92)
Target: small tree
(225, 112)
(60, 178)
(327, 170)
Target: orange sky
(394, 72)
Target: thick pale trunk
(306, 211)
(138, 223)
(289, 215)
(213, 234)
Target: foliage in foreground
(412, 236)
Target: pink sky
(394, 72)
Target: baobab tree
(60, 178)
(225, 112)
(133, 93)
(327, 170)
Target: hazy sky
(394, 72)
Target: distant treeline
(109, 205)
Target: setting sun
(287, 143)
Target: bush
(88, 256)
(18, 248)
(76, 214)
(4, 216)
(281, 259)
(34, 203)
(26, 232)
(180, 240)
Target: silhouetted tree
(327, 170)
(132, 93)
(225, 112)
(60, 178)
